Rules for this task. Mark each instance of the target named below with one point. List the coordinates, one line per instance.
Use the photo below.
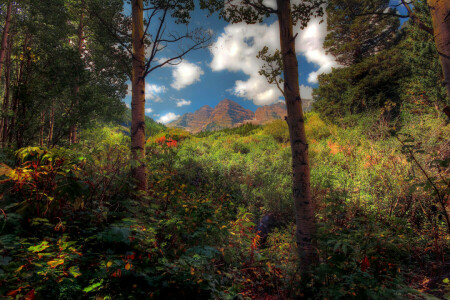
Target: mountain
(268, 113)
(229, 114)
(193, 122)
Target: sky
(228, 68)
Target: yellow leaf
(192, 271)
(55, 263)
(20, 268)
(6, 170)
(128, 266)
(109, 264)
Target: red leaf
(30, 295)
(365, 264)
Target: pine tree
(353, 34)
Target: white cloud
(310, 44)
(148, 110)
(183, 102)
(306, 92)
(169, 117)
(127, 105)
(185, 74)
(152, 91)
(236, 49)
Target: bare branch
(260, 7)
(198, 45)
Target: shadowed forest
(349, 200)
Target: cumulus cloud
(309, 43)
(236, 50)
(182, 102)
(169, 117)
(152, 92)
(306, 92)
(148, 110)
(185, 74)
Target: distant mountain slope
(228, 114)
(193, 121)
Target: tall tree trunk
(440, 13)
(5, 106)
(138, 96)
(41, 130)
(5, 36)
(304, 207)
(16, 101)
(73, 128)
(51, 123)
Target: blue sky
(228, 68)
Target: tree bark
(304, 207)
(51, 123)
(41, 130)
(440, 14)
(16, 101)
(5, 106)
(139, 171)
(5, 36)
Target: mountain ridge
(228, 113)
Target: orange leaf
(128, 266)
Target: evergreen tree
(353, 34)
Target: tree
(138, 96)
(5, 33)
(439, 29)
(353, 36)
(76, 90)
(47, 67)
(372, 84)
(157, 38)
(251, 11)
(440, 13)
(422, 57)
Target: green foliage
(72, 227)
(373, 84)
(423, 92)
(357, 29)
(47, 68)
(193, 234)
(279, 130)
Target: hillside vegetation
(73, 227)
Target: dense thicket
(217, 219)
